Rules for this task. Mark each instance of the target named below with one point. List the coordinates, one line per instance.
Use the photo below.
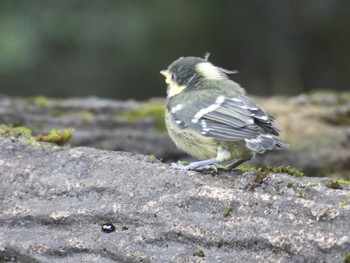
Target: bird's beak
(166, 74)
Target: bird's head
(187, 72)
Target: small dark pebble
(108, 228)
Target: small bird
(209, 116)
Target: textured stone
(54, 200)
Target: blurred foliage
(116, 48)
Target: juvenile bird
(209, 117)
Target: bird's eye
(170, 78)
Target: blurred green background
(62, 48)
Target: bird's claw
(208, 167)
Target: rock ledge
(53, 202)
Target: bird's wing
(225, 118)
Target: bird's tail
(265, 142)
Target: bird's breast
(191, 141)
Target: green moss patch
(57, 113)
(342, 181)
(275, 169)
(8, 131)
(334, 185)
(345, 202)
(219, 243)
(227, 212)
(59, 137)
(199, 253)
(41, 101)
(153, 110)
(347, 258)
(124, 228)
(287, 170)
(247, 168)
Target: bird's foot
(210, 164)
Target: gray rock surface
(97, 123)
(316, 126)
(54, 200)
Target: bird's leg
(236, 163)
(200, 165)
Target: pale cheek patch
(174, 89)
(168, 80)
(202, 112)
(209, 71)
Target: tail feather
(264, 142)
